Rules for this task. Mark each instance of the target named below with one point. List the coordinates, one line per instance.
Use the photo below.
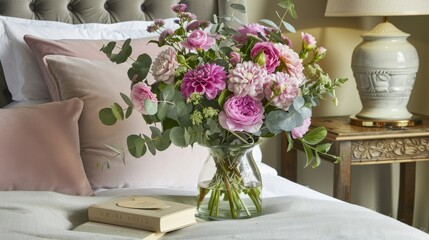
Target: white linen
(48, 215)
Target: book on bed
(109, 229)
(145, 213)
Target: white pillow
(23, 75)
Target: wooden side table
(366, 146)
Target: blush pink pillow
(87, 49)
(98, 84)
(40, 149)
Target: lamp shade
(351, 8)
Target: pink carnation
(271, 54)
(290, 62)
(247, 79)
(164, 66)
(242, 114)
(234, 58)
(208, 79)
(282, 90)
(249, 29)
(299, 132)
(308, 41)
(139, 93)
(198, 39)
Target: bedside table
(365, 146)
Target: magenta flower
(271, 54)
(308, 41)
(139, 93)
(249, 29)
(242, 114)
(290, 62)
(282, 90)
(247, 79)
(299, 132)
(208, 79)
(198, 39)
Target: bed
(52, 82)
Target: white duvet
(290, 211)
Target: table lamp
(384, 64)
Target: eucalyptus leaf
(136, 145)
(129, 112)
(124, 53)
(117, 111)
(289, 27)
(269, 23)
(127, 100)
(140, 68)
(150, 107)
(106, 116)
(150, 145)
(177, 136)
(163, 108)
(168, 92)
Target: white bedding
(296, 213)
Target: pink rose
(198, 39)
(271, 55)
(242, 114)
(299, 132)
(139, 93)
(249, 29)
(234, 58)
(308, 41)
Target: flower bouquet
(225, 89)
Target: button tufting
(106, 6)
(70, 7)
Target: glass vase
(229, 184)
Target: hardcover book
(104, 228)
(143, 213)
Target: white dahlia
(164, 66)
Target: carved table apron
(364, 146)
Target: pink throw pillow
(87, 49)
(40, 149)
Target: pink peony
(290, 62)
(208, 79)
(282, 90)
(164, 66)
(242, 114)
(249, 29)
(271, 54)
(139, 93)
(299, 132)
(308, 41)
(247, 79)
(198, 39)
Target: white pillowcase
(23, 75)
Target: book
(143, 213)
(104, 228)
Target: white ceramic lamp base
(385, 66)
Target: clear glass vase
(229, 184)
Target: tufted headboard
(103, 11)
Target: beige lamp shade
(351, 8)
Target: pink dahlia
(299, 132)
(290, 61)
(281, 90)
(242, 114)
(208, 79)
(249, 29)
(139, 93)
(247, 79)
(164, 66)
(270, 52)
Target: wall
(375, 187)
